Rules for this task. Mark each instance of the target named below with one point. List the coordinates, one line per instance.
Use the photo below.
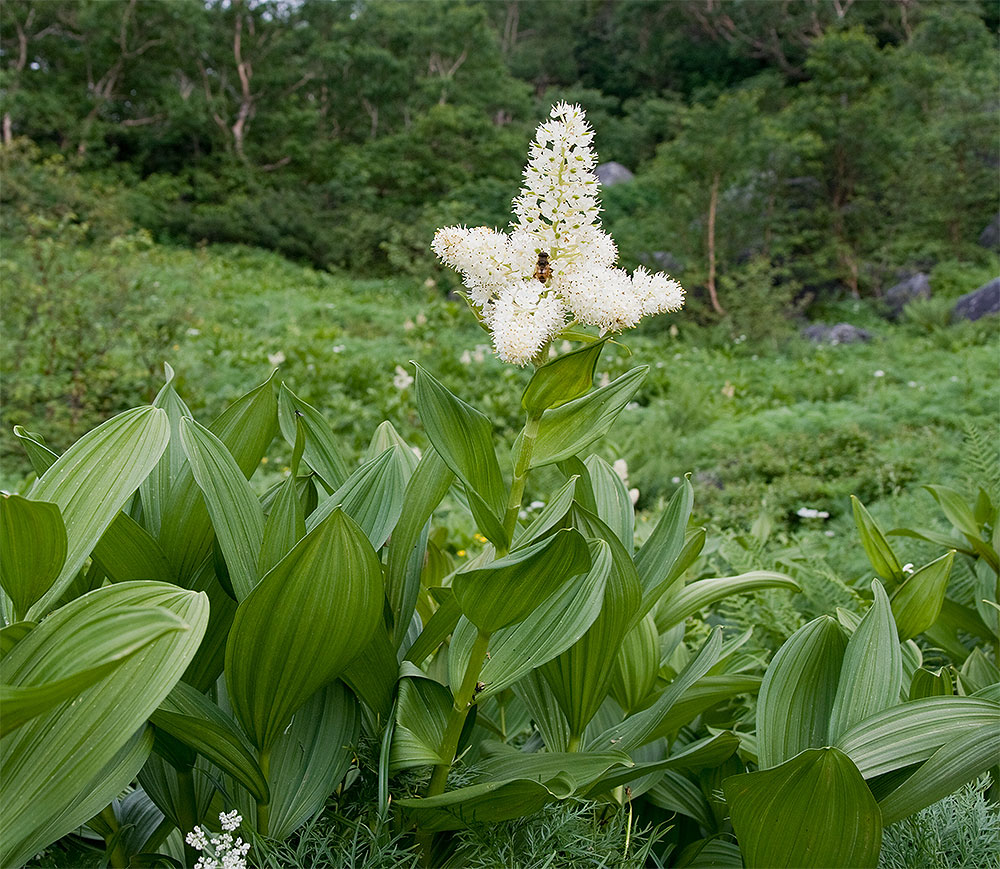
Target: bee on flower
(556, 265)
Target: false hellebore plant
(178, 650)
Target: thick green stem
(574, 742)
(522, 462)
(117, 859)
(264, 809)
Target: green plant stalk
(264, 809)
(117, 859)
(574, 742)
(187, 810)
(522, 462)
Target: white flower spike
(556, 263)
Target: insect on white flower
(556, 263)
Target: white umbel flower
(556, 262)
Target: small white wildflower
(220, 851)
(811, 513)
(536, 505)
(466, 358)
(633, 495)
(231, 820)
(409, 325)
(403, 378)
(194, 333)
(338, 348)
(879, 373)
(675, 479)
(197, 839)
(620, 467)
(276, 358)
(908, 567)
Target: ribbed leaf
(510, 588)
(438, 627)
(814, 810)
(550, 515)
(614, 506)
(925, 683)
(877, 548)
(301, 625)
(86, 653)
(385, 436)
(702, 593)
(372, 496)
(40, 456)
(93, 480)
(798, 692)
(916, 604)
(372, 674)
(481, 803)
(551, 628)
(421, 719)
(464, 439)
(155, 489)
(568, 430)
(32, 548)
(637, 665)
(564, 378)
(45, 760)
(872, 672)
(577, 770)
(11, 635)
(658, 560)
(321, 452)
(429, 484)
(128, 551)
(677, 793)
(189, 716)
(533, 690)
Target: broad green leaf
(421, 719)
(707, 692)
(644, 726)
(45, 760)
(581, 676)
(189, 716)
(951, 766)
(155, 489)
(32, 549)
(309, 760)
(429, 484)
(702, 593)
(138, 822)
(798, 692)
(284, 526)
(235, 512)
(568, 430)
(207, 666)
(372, 496)
(911, 732)
(563, 379)
(170, 790)
(872, 672)
(658, 560)
(464, 439)
(877, 548)
(677, 793)
(659, 597)
(87, 798)
(814, 810)
(321, 452)
(11, 635)
(550, 516)
(480, 803)
(577, 770)
(916, 604)
(93, 480)
(128, 551)
(925, 683)
(637, 665)
(978, 671)
(40, 456)
(957, 511)
(614, 506)
(386, 436)
(95, 648)
(438, 627)
(555, 625)
(372, 674)
(301, 625)
(510, 588)
(533, 690)
(246, 429)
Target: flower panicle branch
(556, 264)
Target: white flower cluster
(556, 262)
(221, 851)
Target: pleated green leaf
(309, 759)
(550, 516)
(798, 692)
(551, 628)
(12, 634)
(235, 512)
(429, 484)
(872, 673)
(93, 480)
(372, 496)
(246, 429)
(190, 717)
(576, 770)
(128, 551)
(40, 456)
(463, 437)
(422, 711)
(43, 762)
(951, 766)
(86, 798)
(912, 732)
(677, 793)
(481, 803)
(321, 452)
(926, 683)
(372, 674)
(301, 626)
(385, 436)
(32, 548)
(510, 588)
(155, 489)
(284, 526)
(814, 810)
(438, 627)
(658, 563)
(916, 604)
(568, 430)
(88, 652)
(707, 692)
(637, 665)
(702, 593)
(564, 378)
(614, 506)
(533, 690)
(877, 548)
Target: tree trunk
(713, 205)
